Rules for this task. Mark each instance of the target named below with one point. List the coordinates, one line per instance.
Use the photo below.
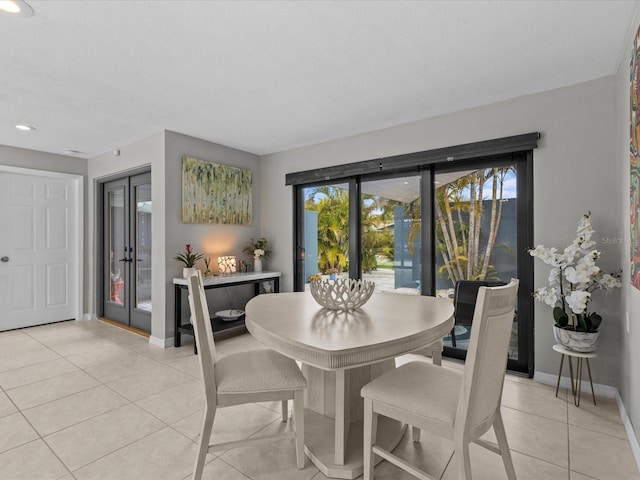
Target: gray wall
(23, 158)
(573, 173)
(213, 240)
(629, 345)
(163, 152)
(148, 152)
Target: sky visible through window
(509, 189)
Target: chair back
(464, 298)
(487, 355)
(203, 333)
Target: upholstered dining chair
(460, 406)
(245, 377)
(464, 303)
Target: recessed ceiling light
(71, 152)
(25, 128)
(19, 8)
(406, 183)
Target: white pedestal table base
(334, 418)
(319, 432)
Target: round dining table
(341, 351)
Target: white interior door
(38, 250)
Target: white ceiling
(269, 76)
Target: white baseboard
(603, 391)
(565, 382)
(89, 316)
(161, 342)
(628, 427)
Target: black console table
(233, 279)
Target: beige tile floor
(86, 400)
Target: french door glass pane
(143, 247)
(476, 234)
(116, 236)
(390, 229)
(326, 231)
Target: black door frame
(524, 227)
(137, 318)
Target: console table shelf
(234, 279)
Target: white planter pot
(257, 264)
(187, 272)
(576, 341)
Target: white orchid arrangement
(258, 248)
(573, 279)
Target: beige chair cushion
(257, 371)
(419, 388)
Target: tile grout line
(42, 379)
(40, 437)
(129, 402)
(100, 383)
(66, 357)
(568, 439)
(247, 476)
(307, 460)
(142, 398)
(535, 414)
(114, 451)
(69, 395)
(132, 402)
(625, 439)
(33, 364)
(189, 377)
(446, 466)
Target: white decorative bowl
(342, 293)
(229, 315)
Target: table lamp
(227, 264)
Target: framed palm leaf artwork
(216, 193)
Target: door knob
(4, 259)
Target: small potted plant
(572, 281)
(257, 249)
(189, 259)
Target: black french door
(126, 251)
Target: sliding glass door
(325, 232)
(476, 227)
(390, 227)
(426, 232)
